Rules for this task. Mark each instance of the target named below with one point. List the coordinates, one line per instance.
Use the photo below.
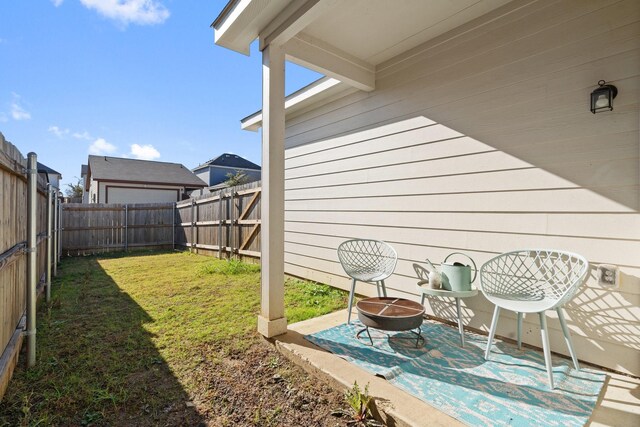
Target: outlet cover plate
(608, 276)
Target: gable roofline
(107, 168)
(235, 162)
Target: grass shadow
(97, 363)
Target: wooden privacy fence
(100, 227)
(224, 223)
(28, 234)
(227, 222)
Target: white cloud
(144, 152)
(17, 111)
(143, 12)
(57, 3)
(60, 133)
(84, 135)
(100, 147)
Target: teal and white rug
(511, 389)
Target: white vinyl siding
(481, 141)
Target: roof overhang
(240, 22)
(351, 41)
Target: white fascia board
(293, 19)
(319, 56)
(240, 25)
(311, 94)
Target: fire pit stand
(390, 314)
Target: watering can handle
(475, 269)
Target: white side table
(425, 291)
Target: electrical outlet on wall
(608, 276)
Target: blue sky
(134, 78)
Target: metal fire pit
(390, 314)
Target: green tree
(74, 190)
(234, 179)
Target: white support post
(271, 321)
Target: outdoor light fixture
(602, 97)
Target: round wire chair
(533, 281)
(369, 261)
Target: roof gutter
(323, 89)
(224, 14)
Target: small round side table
(425, 291)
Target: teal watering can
(456, 276)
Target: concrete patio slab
(619, 403)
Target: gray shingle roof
(231, 161)
(46, 169)
(105, 168)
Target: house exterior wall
(481, 141)
(118, 192)
(92, 196)
(54, 180)
(203, 174)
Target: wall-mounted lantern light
(602, 97)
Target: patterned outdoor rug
(510, 389)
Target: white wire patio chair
(533, 281)
(369, 261)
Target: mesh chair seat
(369, 261)
(533, 281)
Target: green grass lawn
(127, 340)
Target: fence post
(32, 205)
(49, 240)
(220, 197)
(232, 220)
(173, 229)
(193, 224)
(60, 230)
(126, 227)
(55, 232)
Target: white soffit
(349, 38)
(373, 31)
(377, 30)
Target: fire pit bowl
(390, 314)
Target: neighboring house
(216, 171)
(84, 170)
(452, 126)
(118, 180)
(51, 176)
